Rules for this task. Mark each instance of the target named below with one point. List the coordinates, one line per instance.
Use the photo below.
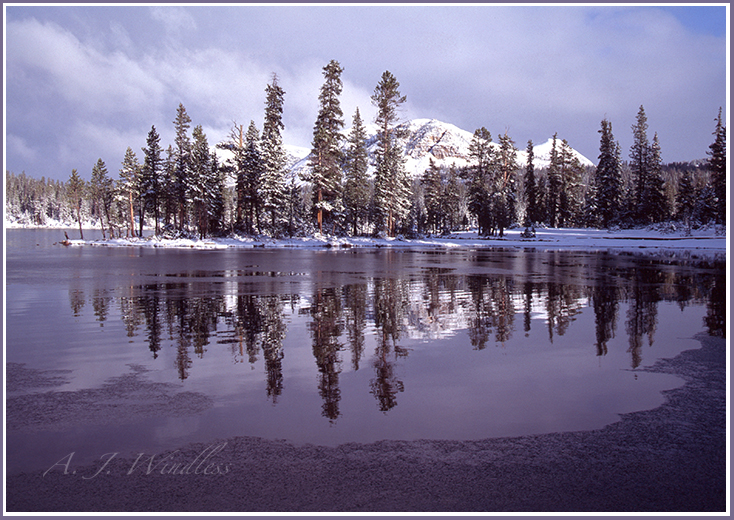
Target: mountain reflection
(343, 319)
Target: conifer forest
(243, 186)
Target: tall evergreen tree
(608, 178)
(572, 188)
(216, 190)
(152, 185)
(392, 186)
(182, 167)
(76, 189)
(273, 187)
(198, 180)
(555, 185)
(356, 186)
(685, 200)
(653, 198)
(717, 165)
(480, 178)
(453, 196)
(249, 183)
(504, 196)
(645, 165)
(101, 190)
(532, 195)
(326, 155)
(169, 207)
(130, 184)
(433, 194)
(235, 167)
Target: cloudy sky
(87, 82)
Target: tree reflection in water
(430, 303)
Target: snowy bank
(705, 242)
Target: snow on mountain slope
(443, 142)
(542, 154)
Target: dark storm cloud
(87, 82)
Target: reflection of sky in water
(521, 383)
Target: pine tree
(653, 197)
(453, 198)
(152, 185)
(480, 179)
(169, 207)
(650, 205)
(249, 182)
(717, 165)
(182, 167)
(130, 184)
(198, 180)
(572, 188)
(685, 200)
(555, 185)
(76, 190)
(392, 186)
(216, 190)
(273, 187)
(433, 195)
(532, 196)
(326, 156)
(504, 196)
(356, 186)
(101, 190)
(234, 167)
(608, 178)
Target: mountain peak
(446, 144)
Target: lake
(135, 350)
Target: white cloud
(532, 70)
(175, 19)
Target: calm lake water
(155, 348)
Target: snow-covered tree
(433, 196)
(504, 195)
(76, 189)
(653, 197)
(480, 179)
(392, 185)
(454, 196)
(272, 190)
(609, 194)
(717, 165)
(573, 189)
(129, 185)
(216, 190)
(235, 167)
(182, 167)
(533, 213)
(686, 198)
(249, 183)
(356, 186)
(555, 185)
(151, 176)
(326, 155)
(199, 180)
(102, 191)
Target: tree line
(186, 189)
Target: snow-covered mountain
(443, 142)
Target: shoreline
(671, 458)
(705, 243)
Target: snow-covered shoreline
(710, 242)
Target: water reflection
(431, 302)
